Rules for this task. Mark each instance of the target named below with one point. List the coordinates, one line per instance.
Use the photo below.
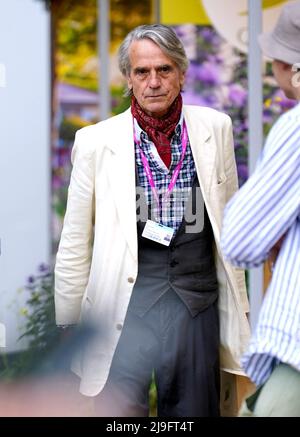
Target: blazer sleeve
(73, 259)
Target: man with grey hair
(262, 220)
(139, 251)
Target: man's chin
(156, 110)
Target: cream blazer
(97, 260)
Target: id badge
(158, 233)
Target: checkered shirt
(172, 209)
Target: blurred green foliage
(39, 328)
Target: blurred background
(58, 73)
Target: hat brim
(273, 49)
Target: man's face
(283, 75)
(154, 78)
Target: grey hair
(161, 35)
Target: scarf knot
(159, 130)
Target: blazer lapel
(121, 174)
(204, 152)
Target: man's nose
(154, 80)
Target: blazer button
(119, 326)
(130, 280)
(173, 263)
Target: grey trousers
(183, 353)
(278, 397)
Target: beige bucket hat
(283, 43)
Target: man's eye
(165, 69)
(141, 72)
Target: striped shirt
(172, 211)
(266, 208)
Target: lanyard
(184, 141)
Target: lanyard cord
(184, 141)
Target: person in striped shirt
(263, 218)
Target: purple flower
(30, 279)
(180, 31)
(114, 102)
(64, 157)
(267, 117)
(245, 124)
(215, 59)
(192, 98)
(192, 73)
(43, 268)
(209, 35)
(242, 170)
(237, 95)
(238, 146)
(287, 103)
(280, 99)
(56, 182)
(209, 73)
(237, 128)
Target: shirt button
(119, 326)
(130, 280)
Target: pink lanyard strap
(184, 141)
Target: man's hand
(66, 331)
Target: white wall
(24, 153)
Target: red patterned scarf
(159, 130)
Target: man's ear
(296, 75)
(129, 82)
